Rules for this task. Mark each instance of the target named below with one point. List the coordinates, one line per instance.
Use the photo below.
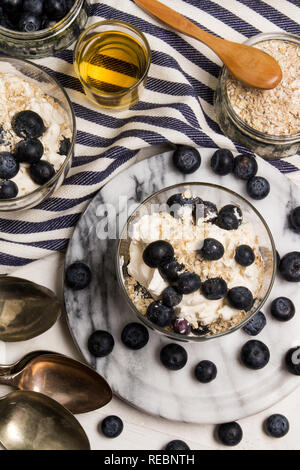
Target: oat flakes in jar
(265, 121)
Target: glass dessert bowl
(35, 155)
(202, 286)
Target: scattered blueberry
(29, 23)
(64, 146)
(188, 283)
(28, 124)
(177, 201)
(55, 9)
(177, 445)
(292, 360)
(277, 425)
(208, 211)
(173, 356)
(283, 309)
(158, 253)
(41, 172)
(212, 249)
(295, 219)
(186, 159)
(256, 324)
(135, 336)
(244, 255)
(29, 151)
(112, 426)
(11, 6)
(205, 372)
(33, 6)
(8, 189)
(171, 297)
(222, 162)
(258, 187)
(290, 267)
(255, 354)
(229, 218)
(78, 276)
(214, 288)
(171, 270)
(100, 343)
(160, 314)
(201, 330)
(245, 167)
(182, 327)
(9, 166)
(230, 434)
(240, 298)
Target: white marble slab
(138, 377)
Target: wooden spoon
(248, 64)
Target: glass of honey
(112, 60)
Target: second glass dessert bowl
(220, 197)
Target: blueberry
(256, 324)
(182, 326)
(222, 162)
(171, 297)
(29, 23)
(177, 445)
(283, 309)
(292, 360)
(69, 4)
(244, 255)
(29, 151)
(55, 9)
(240, 298)
(201, 330)
(245, 167)
(100, 343)
(290, 267)
(177, 201)
(258, 187)
(230, 217)
(160, 314)
(277, 425)
(33, 6)
(186, 159)
(212, 249)
(135, 336)
(295, 219)
(214, 288)
(11, 6)
(205, 210)
(188, 283)
(9, 166)
(173, 356)
(64, 146)
(230, 434)
(255, 354)
(158, 253)
(235, 210)
(205, 372)
(8, 190)
(41, 172)
(171, 270)
(28, 124)
(78, 276)
(112, 426)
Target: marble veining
(137, 376)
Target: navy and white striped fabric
(176, 107)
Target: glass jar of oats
(265, 121)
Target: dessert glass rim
(55, 29)
(243, 126)
(74, 131)
(129, 26)
(171, 334)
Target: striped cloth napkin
(176, 107)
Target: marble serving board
(138, 376)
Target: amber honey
(112, 64)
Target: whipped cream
(17, 94)
(187, 239)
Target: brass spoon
(32, 421)
(248, 64)
(72, 384)
(26, 309)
